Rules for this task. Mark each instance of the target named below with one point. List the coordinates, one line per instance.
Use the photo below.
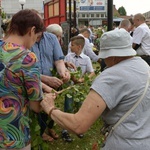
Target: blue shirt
(48, 51)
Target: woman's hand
(48, 102)
(46, 88)
(53, 82)
(65, 76)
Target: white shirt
(141, 36)
(87, 50)
(82, 61)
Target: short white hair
(55, 29)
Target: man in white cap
(113, 93)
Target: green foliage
(36, 140)
(122, 11)
(3, 15)
(78, 92)
(116, 14)
(98, 32)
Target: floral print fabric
(19, 84)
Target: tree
(122, 11)
(3, 15)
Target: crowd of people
(119, 94)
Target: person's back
(122, 85)
(134, 130)
(20, 85)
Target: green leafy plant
(77, 91)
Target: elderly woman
(50, 56)
(20, 84)
(55, 29)
(113, 93)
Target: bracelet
(50, 112)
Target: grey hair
(124, 23)
(55, 29)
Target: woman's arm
(53, 82)
(46, 88)
(78, 123)
(35, 105)
(62, 70)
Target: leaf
(69, 96)
(76, 89)
(37, 128)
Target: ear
(80, 47)
(32, 30)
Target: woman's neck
(19, 40)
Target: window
(56, 9)
(102, 15)
(92, 15)
(97, 15)
(51, 12)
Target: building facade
(92, 12)
(88, 12)
(85, 12)
(10, 7)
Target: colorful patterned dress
(19, 84)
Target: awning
(117, 19)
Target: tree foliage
(3, 15)
(122, 11)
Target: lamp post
(43, 10)
(70, 18)
(22, 2)
(110, 14)
(75, 15)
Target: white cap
(116, 43)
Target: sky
(133, 7)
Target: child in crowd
(78, 58)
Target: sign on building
(92, 5)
